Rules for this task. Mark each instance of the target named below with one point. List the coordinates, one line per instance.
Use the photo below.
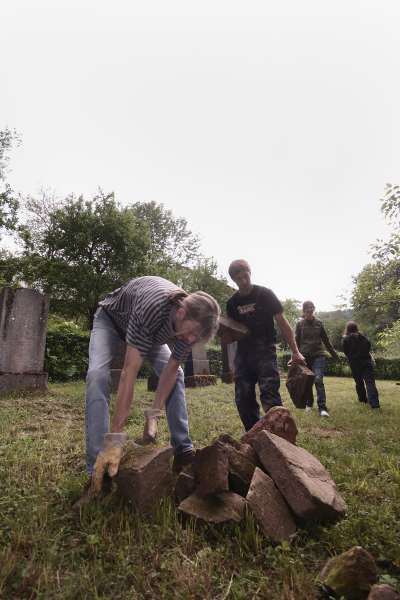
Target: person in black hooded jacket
(357, 348)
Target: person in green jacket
(313, 341)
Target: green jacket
(312, 339)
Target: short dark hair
(238, 265)
(308, 304)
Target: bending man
(146, 313)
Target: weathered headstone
(23, 324)
(197, 368)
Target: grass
(109, 552)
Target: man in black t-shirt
(255, 362)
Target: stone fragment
(210, 469)
(299, 382)
(269, 508)
(230, 330)
(227, 506)
(241, 447)
(145, 475)
(302, 480)
(200, 381)
(279, 421)
(184, 486)
(350, 574)
(383, 592)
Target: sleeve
(297, 334)
(230, 310)
(275, 305)
(345, 346)
(327, 342)
(138, 336)
(181, 350)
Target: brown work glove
(150, 424)
(108, 459)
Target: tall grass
(109, 552)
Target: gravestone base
(10, 382)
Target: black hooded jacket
(357, 348)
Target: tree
(172, 244)
(78, 250)
(376, 295)
(8, 202)
(204, 276)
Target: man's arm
(288, 335)
(328, 345)
(166, 383)
(132, 363)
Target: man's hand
(298, 358)
(150, 425)
(108, 459)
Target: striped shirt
(143, 313)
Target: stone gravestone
(23, 325)
(228, 356)
(197, 368)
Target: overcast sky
(270, 126)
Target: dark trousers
(363, 375)
(257, 364)
(317, 365)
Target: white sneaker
(324, 413)
(308, 408)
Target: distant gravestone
(23, 325)
(197, 367)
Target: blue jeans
(104, 345)
(317, 365)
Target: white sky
(270, 126)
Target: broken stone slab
(350, 574)
(200, 380)
(241, 447)
(184, 486)
(240, 468)
(269, 508)
(302, 480)
(220, 508)
(279, 421)
(145, 475)
(299, 382)
(210, 469)
(383, 592)
(231, 331)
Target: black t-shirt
(256, 311)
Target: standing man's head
(351, 327)
(197, 318)
(308, 310)
(240, 272)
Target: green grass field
(109, 552)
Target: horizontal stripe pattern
(143, 313)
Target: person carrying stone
(312, 340)
(256, 362)
(146, 313)
(357, 348)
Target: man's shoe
(183, 460)
(324, 413)
(308, 408)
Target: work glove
(108, 459)
(150, 424)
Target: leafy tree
(389, 341)
(172, 244)
(292, 312)
(204, 276)
(376, 295)
(78, 250)
(8, 202)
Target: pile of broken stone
(280, 483)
